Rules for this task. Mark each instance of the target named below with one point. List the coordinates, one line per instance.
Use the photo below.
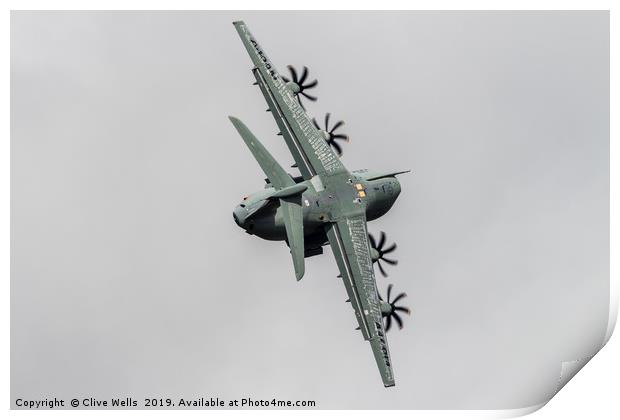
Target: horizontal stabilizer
(287, 191)
(290, 191)
(277, 175)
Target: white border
(593, 392)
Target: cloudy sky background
(130, 278)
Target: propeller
(378, 252)
(298, 86)
(330, 136)
(390, 309)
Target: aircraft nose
(239, 214)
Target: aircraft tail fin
(287, 192)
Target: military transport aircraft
(326, 204)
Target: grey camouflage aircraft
(326, 204)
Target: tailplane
(287, 191)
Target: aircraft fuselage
(260, 215)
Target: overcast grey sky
(130, 278)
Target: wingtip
(389, 385)
(238, 22)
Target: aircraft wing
(348, 238)
(311, 152)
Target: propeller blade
(316, 124)
(311, 84)
(399, 297)
(390, 248)
(337, 126)
(402, 309)
(383, 273)
(310, 97)
(304, 74)
(381, 241)
(398, 320)
(293, 73)
(332, 137)
(372, 241)
(394, 309)
(336, 148)
(389, 261)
